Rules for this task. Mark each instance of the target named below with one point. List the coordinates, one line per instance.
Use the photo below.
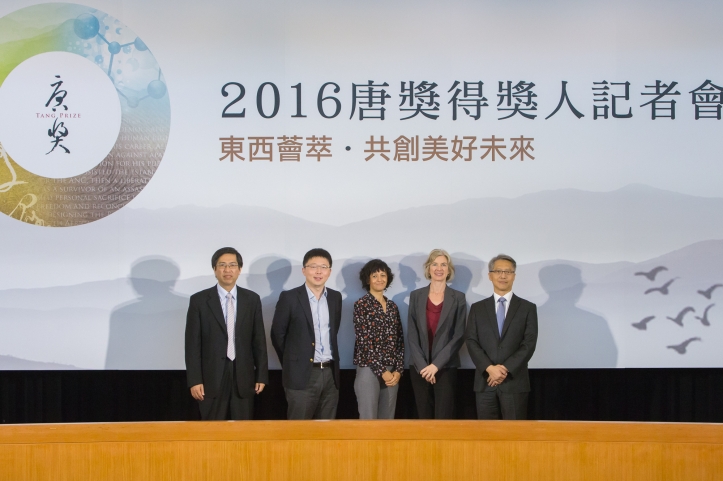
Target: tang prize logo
(84, 115)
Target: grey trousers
(376, 400)
(501, 405)
(318, 400)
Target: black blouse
(379, 336)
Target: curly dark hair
(374, 265)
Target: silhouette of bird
(679, 318)
(709, 292)
(681, 348)
(704, 320)
(651, 274)
(642, 325)
(662, 289)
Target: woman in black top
(379, 345)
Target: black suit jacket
(450, 331)
(207, 340)
(292, 335)
(513, 350)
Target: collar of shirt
(371, 296)
(508, 298)
(223, 292)
(312, 295)
(224, 303)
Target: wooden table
(362, 450)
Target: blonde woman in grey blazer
(436, 326)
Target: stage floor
(362, 450)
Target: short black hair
(317, 252)
(375, 265)
(226, 250)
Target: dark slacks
(318, 400)
(501, 405)
(228, 404)
(435, 401)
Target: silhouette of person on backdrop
(274, 272)
(351, 291)
(467, 276)
(570, 336)
(147, 333)
(408, 277)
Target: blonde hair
(432, 256)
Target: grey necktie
(501, 314)
(230, 327)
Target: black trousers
(435, 401)
(501, 405)
(318, 400)
(228, 404)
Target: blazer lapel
(422, 319)
(514, 305)
(492, 316)
(446, 308)
(306, 307)
(331, 303)
(214, 303)
(242, 305)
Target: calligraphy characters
(59, 131)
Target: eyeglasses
(223, 265)
(505, 273)
(314, 267)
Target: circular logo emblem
(84, 115)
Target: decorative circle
(113, 180)
(86, 26)
(90, 115)
(156, 89)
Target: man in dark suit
(501, 337)
(303, 332)
(226, 361)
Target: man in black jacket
(501, 337)
(226, 360)
(303, 332)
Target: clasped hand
(391, 378)
(428, 373)
(497, 374)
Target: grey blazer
(513, 349)
(450, 330)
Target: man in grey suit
(501, 337)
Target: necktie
(501, 314)
(230, 327)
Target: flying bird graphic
(709, 292)
(679, 318)
(704, 320)
(682, 347)
(651, 274)
(662, 289)
(642, 325)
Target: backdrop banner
(139, 136)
